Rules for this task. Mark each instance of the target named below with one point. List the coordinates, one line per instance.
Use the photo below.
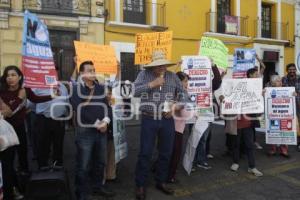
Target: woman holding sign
(283, 149)
(14, 96)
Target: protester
(50, 115)
(157, 87)
(283, 149)
(245, 133)
(180, 120)
(92, 117)
(14, 95)
(201, 157)
(293, 80)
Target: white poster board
(198, 68)
(242, 96)
(120, 141)
(281, 127)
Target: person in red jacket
(14, 95)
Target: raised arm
(262, 65)
(36, 99)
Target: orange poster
(103, 56)
(146, 43)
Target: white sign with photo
(281, 126)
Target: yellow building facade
(266, 25)
(67, 20)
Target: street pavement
(281, 180)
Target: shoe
(173, 180)
(162, 187)
(234, 167)
(271, 153)
(16, 194)
(193, 169)
(204, 166)
(210, 156)
(140, 193)
(286, 155)
(298, 147)
(57, 165)
(104, 192)
(257, 145)
(255, 172)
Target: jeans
(201, 155)
(91, 154)
(53, 135)
(247, 136)
(164, 129)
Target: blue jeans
(164, 129)
(201, 157)
(91, 154)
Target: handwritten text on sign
(242, 96)
(103, 56)
(146, 43)
(215, 49)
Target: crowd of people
(41, 114)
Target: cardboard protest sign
(103, 56)
(119, 134)
(37, 58)
(242, 96)
(215, 49)
(244, 59)
(200, 84)
(146, 43)
(281, 127)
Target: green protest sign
(216, 50)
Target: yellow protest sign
(146, 43)
(103, 56)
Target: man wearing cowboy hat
(157, 88)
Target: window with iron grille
(266, 24)
(223, 8)
(134, 11)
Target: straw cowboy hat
(158, 59)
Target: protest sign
(199, 128)
(119, 134)
(37, 58)
(281, 127)
(198, 68)
(103, 56)
(231, 25)
(244, 59)
(146, 43)
(216, 50)
(242, 96)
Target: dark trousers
(50, 132)
(32, 132)
(22, 147)
(150, 129)
(8, 172)
(91, 153)
(246, 134)
(175, 159)
(208, 142)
